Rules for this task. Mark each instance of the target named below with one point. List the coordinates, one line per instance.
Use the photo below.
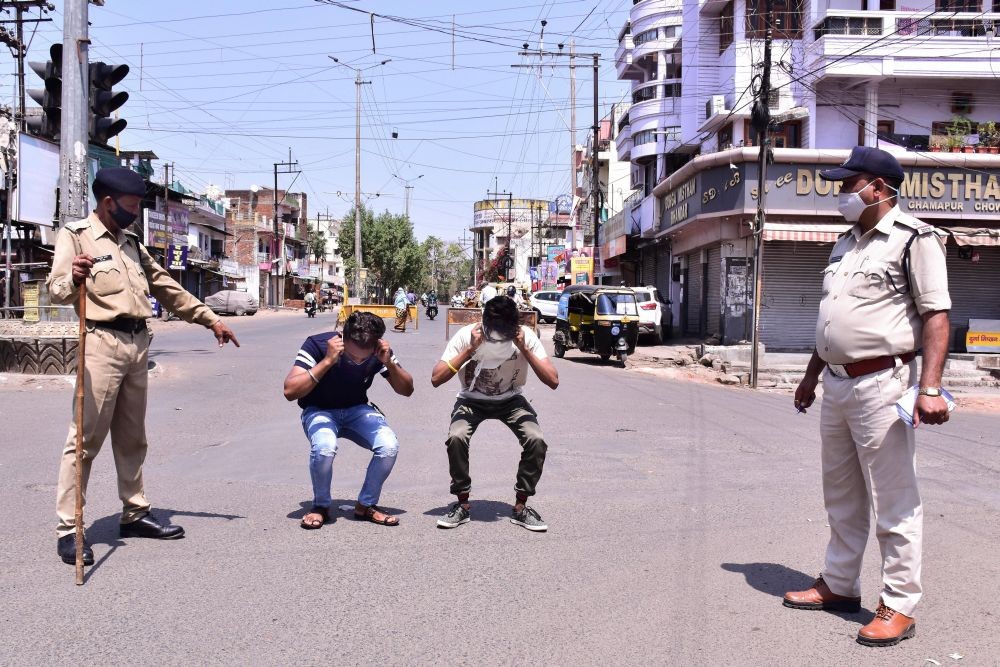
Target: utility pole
(574, 217)
(572, 55)
(73, 126)
(408, 190)
(290, 167)
(595, 187)
(761, 121)
(358, 82)
(16, 43)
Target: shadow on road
(336, 512)
(482, 510)
(771, 578)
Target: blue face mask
(122, 217)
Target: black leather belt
(123, 324)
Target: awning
(778, 231)
(974, 235)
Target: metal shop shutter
(662, 282)
(792, 288)
(648, 266)
(974, 287)
(693, 296)
(714, 289)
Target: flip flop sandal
(369, 515)
(312, 525)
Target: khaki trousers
(114, 398)
(869, 466)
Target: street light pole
(357, 167)
(408, 191)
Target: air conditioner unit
(716, 104)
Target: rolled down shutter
(792, 288)
(648, 266)
(694, 295)
(714, 290)
(974, 288)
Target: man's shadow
(482, 510)
(335, 512)
(106, 531)
(776, 580)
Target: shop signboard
(582, 269)
(157, 235)
(983, 336)
(178, 222)
(177, 257)
(944, 192)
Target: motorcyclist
(514, 294)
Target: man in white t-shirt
(491, 360)
(486, 294)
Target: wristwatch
(930, 391)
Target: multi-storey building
(917, 82)
(271, 254)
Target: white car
(655, 316)
(545, 302)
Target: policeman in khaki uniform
(119, 275)
(885, 296)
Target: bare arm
(301, 381)
(442, 372)
(543, 368)
(937, 329)
(805, 393)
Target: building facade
(915, 83)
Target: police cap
(120, 181)
(866, 160)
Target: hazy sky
(223, 88)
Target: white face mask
(851, 205)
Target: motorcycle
(311, 309)
(432, 310)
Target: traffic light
(50, 97)
(104, 101)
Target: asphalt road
(679, 514)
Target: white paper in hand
(908, 402)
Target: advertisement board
(177, 257)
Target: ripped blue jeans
(361, 424)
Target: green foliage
(317, 244)
(448, 267)
(388, 250)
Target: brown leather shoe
(820, 597)
(888, 628)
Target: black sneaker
(528, 518)
(455, 518)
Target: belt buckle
(839, 370)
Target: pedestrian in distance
(486, 293)
(402, 305)
(491, 360)
(102, 251)
(885, 296)
(330, 379)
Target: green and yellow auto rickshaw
(601, 320)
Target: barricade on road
(385, 311)
(463, 316)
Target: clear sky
(223, 88)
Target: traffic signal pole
(73, 124)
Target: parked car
(545, 302)
(230, 301)
(655, 317)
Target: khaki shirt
(121, 282)
(869, 308)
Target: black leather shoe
(147, 526)
(66, 548)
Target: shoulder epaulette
(77, 225)
(918, 226)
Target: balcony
(858, 44)
(624, 144)
(624, 64)
(653, 101)
(645, 13)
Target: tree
(449, 268)
(389, 251)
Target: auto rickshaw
(597, 319)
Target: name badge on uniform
(836, 259)
(102, 258)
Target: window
(671, 133)
(883, 130)
(644, 94)
(726, 137)
(673, 64)
(643, 37)
(671, 31)
(852, 25)
(644, 137)
(726, 26)
(786, 15)
(957, 6)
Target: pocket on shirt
(829, 273)
(107, 281)
(870, 282)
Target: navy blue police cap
(866, 160)
(119, 181)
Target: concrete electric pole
(74, 135)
